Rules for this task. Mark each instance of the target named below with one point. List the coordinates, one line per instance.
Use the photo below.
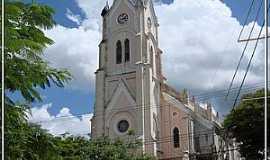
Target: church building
(132, 93)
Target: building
(131, 91)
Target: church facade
(132, 93)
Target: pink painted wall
(171, 117)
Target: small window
(176, 138)
(123, 126)
(127, 51)
(118, 52)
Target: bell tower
(128, 77)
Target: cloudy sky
(198, 38)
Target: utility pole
(3, 79)
(266, 77)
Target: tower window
(118, 52)
(176, 139)
(127, 51)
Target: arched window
(176, 139)
(118, 52)
(127, 51)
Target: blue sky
(82, 101)
(239, 9)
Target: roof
(185, 108)
(172, 92)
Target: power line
(253, 39)
(249, 63)
(126, 108)
(136, 107)
(117, 108)
(256, 98)
(244, 50)
(169, 139)
(246, 19)
(182, 136)
(123, 108)
(199, 96)
(228, 42)
(223, 90)
(222, 94)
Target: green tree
(25, 42)
(246, 124)
(25, 72)
(105, 148)
(72, 148)
(26, 141)
(81, 148)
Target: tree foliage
(23, 140)
(26, 141)
(25, 42)
(26, 70)
(80, 148)
(246, 124)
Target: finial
(105, 9)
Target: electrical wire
(246, 19)
(244, 50)
(136, 107)
(229, 41)
(222, 93)
(249, 63)
(224, 90)
(256, 98)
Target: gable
(121, 98)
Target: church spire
(105, 9)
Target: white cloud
(92, 9)
(75, 49)
(198, 37)
(199, 40)
(63, 122)
(71, 16)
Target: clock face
(122, 18)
